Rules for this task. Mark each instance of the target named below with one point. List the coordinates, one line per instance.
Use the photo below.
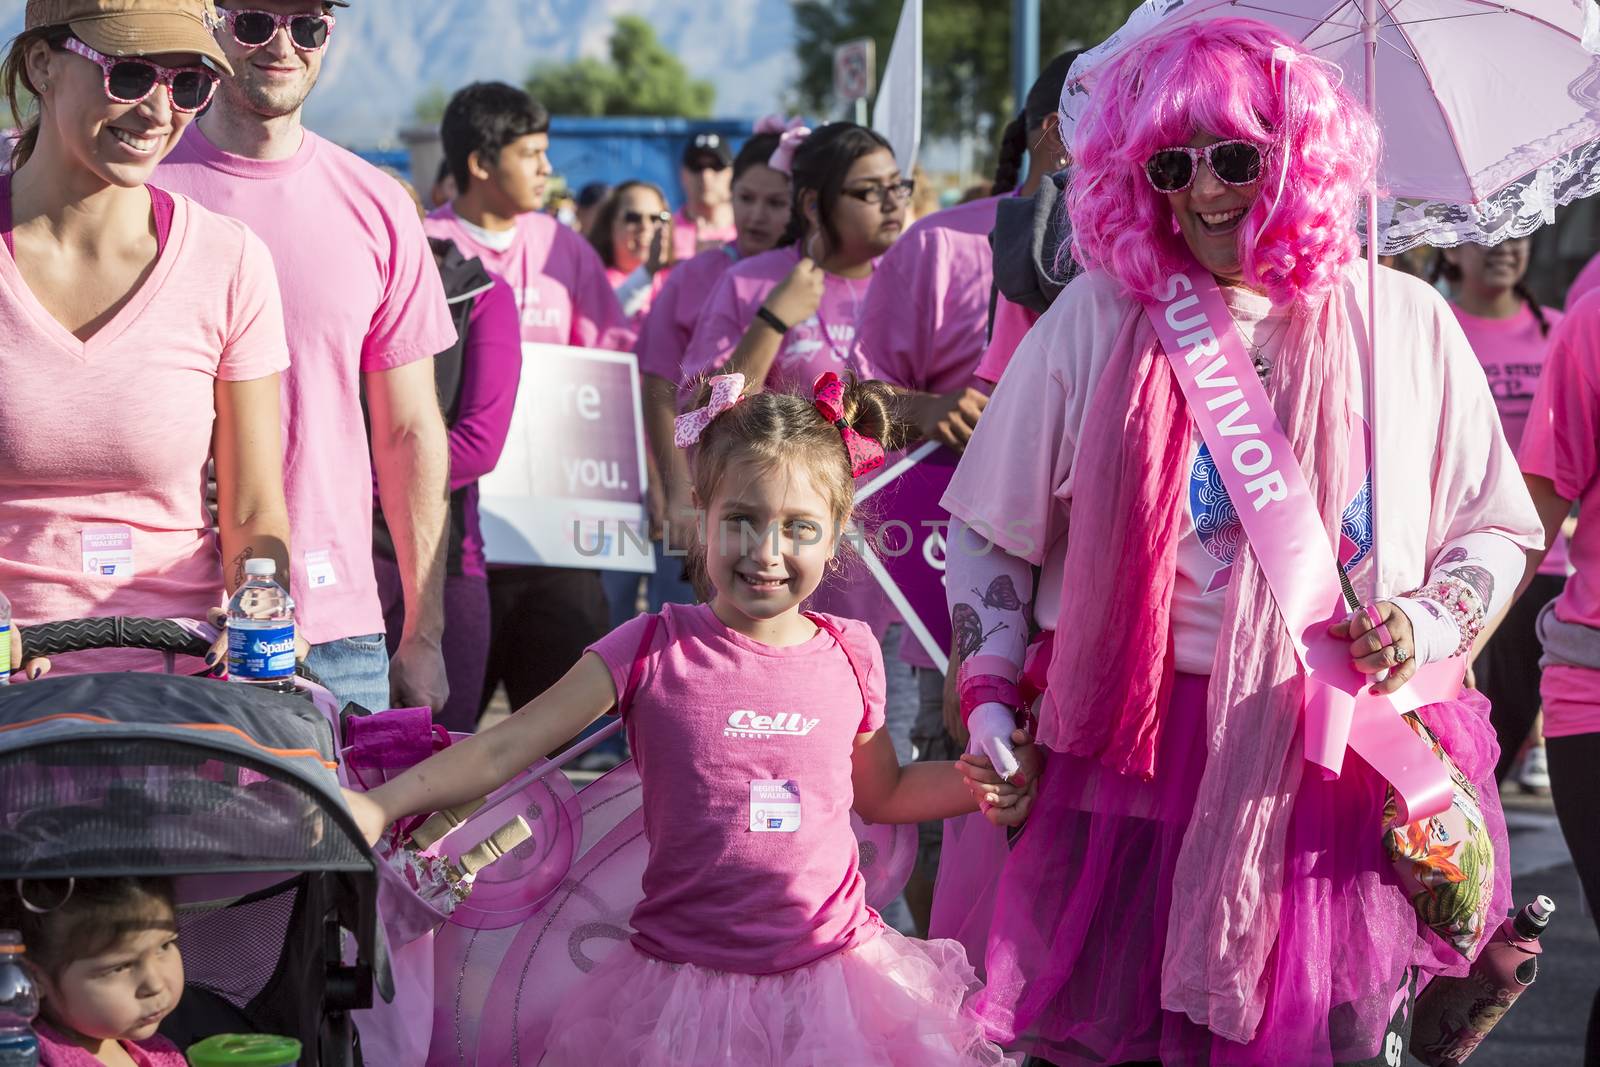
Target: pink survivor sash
(1229, 405)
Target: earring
(44, 87)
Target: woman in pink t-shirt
(143, 336)
(632, 232)
(1509, 332)
(757, 728)
(1560, 458)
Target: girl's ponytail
(1522, 290)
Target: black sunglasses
(1172, 170)
(639, 218)
(308, 33)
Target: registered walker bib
(108, 551)
(775, 807)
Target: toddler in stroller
(230, 794)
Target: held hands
(1387, 650)
(1004, 801)
(217, 658)
(798, 296)
(950, 419)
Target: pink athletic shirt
(687, 235)
(104, 443)
(665, 333)
(559, 281)
(361, 294)
(714, 712)
(824, 342)
(1512, 352)
(923, 324)
(1562, 443)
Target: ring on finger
(1400, 655)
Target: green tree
(640, 78)
(429, 108)
(966, 51)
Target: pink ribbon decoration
(1259, 469)
(782, 158)
(776, 123)
(866, 455)
(727, 390)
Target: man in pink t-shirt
(365, 313)
(496, 139)
(705, 220)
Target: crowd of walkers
(195, 280)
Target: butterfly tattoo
(1002, 595)
(968, 628)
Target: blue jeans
(354, 669)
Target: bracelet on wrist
(772, 320)
(1460, 602)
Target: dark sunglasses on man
(252, 29)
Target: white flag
(897, 112)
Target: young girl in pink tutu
(756, 727)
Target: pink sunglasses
(131, 80)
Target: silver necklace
(1258, 359)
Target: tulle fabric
(891, 1002)
(1079, 930)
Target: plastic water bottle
(5, 640)
(261, 630)
(19, 1003)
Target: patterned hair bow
(866, 455)
(727, 390)
(776, 123)
(782, 158)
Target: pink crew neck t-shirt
(664, 335)
(361, 294)
(713, 712)
(923, 324)
(559, 281)
(104, 443)
(1512, 352)
(824, 342)
(1562, 443)
(687, 235)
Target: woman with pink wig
(1188, 888)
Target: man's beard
(269, 101)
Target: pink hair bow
(866, 455)
(776, 123)
(782, 158)
(727, 390)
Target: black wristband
(772, 320)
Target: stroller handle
(79, 635)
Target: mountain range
(388, 53)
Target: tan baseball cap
(136, 27)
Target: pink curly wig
(1230, 78)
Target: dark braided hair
(1443, 268)
(1043, 101)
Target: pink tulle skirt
(890, 1002)
(1079, 926)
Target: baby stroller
(229, 790)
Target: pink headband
(782, 158)
(866, 455)
(727, 390)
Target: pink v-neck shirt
(111, 435)
(361, 294)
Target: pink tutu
(1079, 928)
(890, 1001)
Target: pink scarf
(1112, 668)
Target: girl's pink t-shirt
(824, 342)
(104, 443)
(721, 726)
(1512, 352)
(664, 335)
(558, 278)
